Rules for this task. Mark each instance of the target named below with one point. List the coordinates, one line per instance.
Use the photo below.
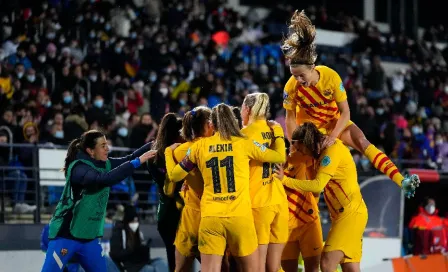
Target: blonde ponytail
(259, 106)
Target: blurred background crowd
(69, 66)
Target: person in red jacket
(430, 236)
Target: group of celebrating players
(247, 200)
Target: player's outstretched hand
(409, 185)
(147, 155)
(328, 141)
(272, 123)
(278, 170)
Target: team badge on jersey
(341, 87)
(325, 161)
(64, 251)
(327, 92)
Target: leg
(211, 263)
(311, 263)
(262, 255)
(274, 258)
(290, 265)
(59, 252)
(330, 260)
(351, 267)
(183, 263)
(111, 266)
(91, 257)
(354, 137)
(168, 234)
(159, 265)
(248, 263)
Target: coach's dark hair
(308, 135)
(194, 121)
(225, 122)
(167, 135)
(87, 140)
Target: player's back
(264, 189)
(195, 184)
(302, 205)
(224, 165)
(342, 193)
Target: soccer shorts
(306, 239)
(237, 233)
(271, 224)
(346, 235)
(188, 231)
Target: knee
(326, 265)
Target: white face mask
(430, 208)
(133, 226)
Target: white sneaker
(19, 208)
(29, 208)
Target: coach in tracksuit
(78, 221)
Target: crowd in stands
(70, 66)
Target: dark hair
(237, 113)
(194, 121)
(299, 45)
(87, 140)
(167, 135)
(308, 135)
(225, 122)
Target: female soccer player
(223, 160)
(78, 221)
(168, 215)
(195, 125)
(305, 230)
(336, 174)
(269, 206)
(316, 94)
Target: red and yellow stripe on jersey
(193, 184)
(316, 104)
(302, 205)
(264, 189)
(337, 176)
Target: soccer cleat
(409, 184)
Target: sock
(383, 164)
(281, 270)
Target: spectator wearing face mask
(129, 250)
(441, 146)
(97, 112)
(428, 234)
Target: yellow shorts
(236, 233)
(188, 231)
(346, 235)
(328, 128)
(271, 224)
(307, 240)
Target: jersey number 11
(215, 164)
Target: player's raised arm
(289, 104)
(260, 152)
(177, 172)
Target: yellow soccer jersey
(302, 205)
(316, 104)
(193, 184)
(264, 189)
(224, 166)
(337, 176)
